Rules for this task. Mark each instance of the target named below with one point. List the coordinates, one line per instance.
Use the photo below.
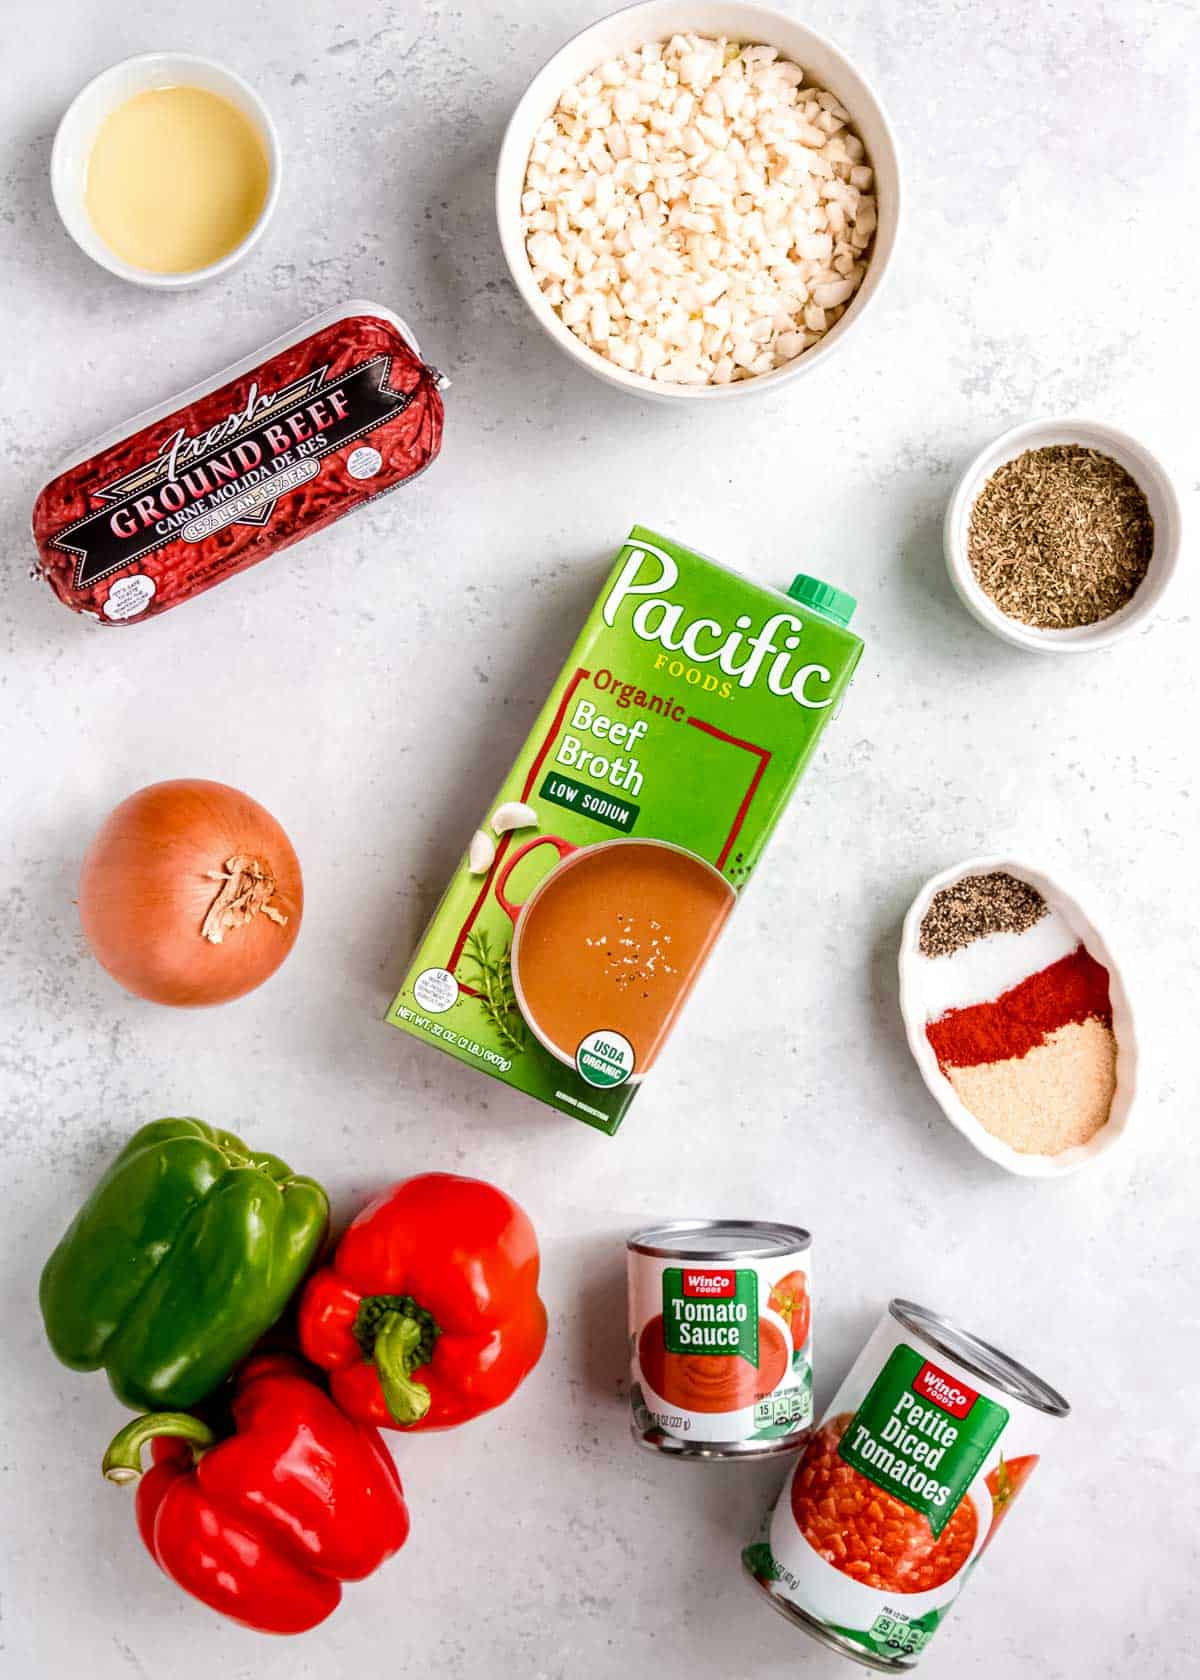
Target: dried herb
(493, 981)
(1060, 537)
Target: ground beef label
(901, 1488)
(269, 447)
(922, 1435)
(720, 1350)
(332, 415)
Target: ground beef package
(332, 415)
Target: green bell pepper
(188, 1249)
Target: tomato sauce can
(902, 1488)
(720, 1337)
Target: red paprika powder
(1072, 990)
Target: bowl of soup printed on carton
(1018, 1016)
(676, 299)
(605, 868)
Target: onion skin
(147, 884)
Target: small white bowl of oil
(166, 169)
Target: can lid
(719, 1240)
(981, 1358)
(823, 598)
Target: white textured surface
(370, 687)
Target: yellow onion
(190, 894)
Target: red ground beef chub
(336, 418)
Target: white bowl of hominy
(1149, 475)
(791, 346)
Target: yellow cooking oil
(176, 179)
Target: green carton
(568, 940)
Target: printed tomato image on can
(897, 1493)
(720, 1325)
(1004, 1483)
(789, 1297)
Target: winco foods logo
(710, 1285)
(945, 1392)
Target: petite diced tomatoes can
(720, 1338)
(902, 1488)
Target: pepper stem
(123, 1460)
(395, 1347)
(398, 1337)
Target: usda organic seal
(604, 1059)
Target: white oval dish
(76, 136)
(1153, 481)
(1067, 902)
(655, 20)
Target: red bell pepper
(429, 1313)
(265, 1525)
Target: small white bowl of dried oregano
(1063, 535)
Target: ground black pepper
(1060, 537)
(975, 906)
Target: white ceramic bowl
(655, 20)
(93, 104)
(1067, 902)
(1152, 479)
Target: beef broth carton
(617, 846)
